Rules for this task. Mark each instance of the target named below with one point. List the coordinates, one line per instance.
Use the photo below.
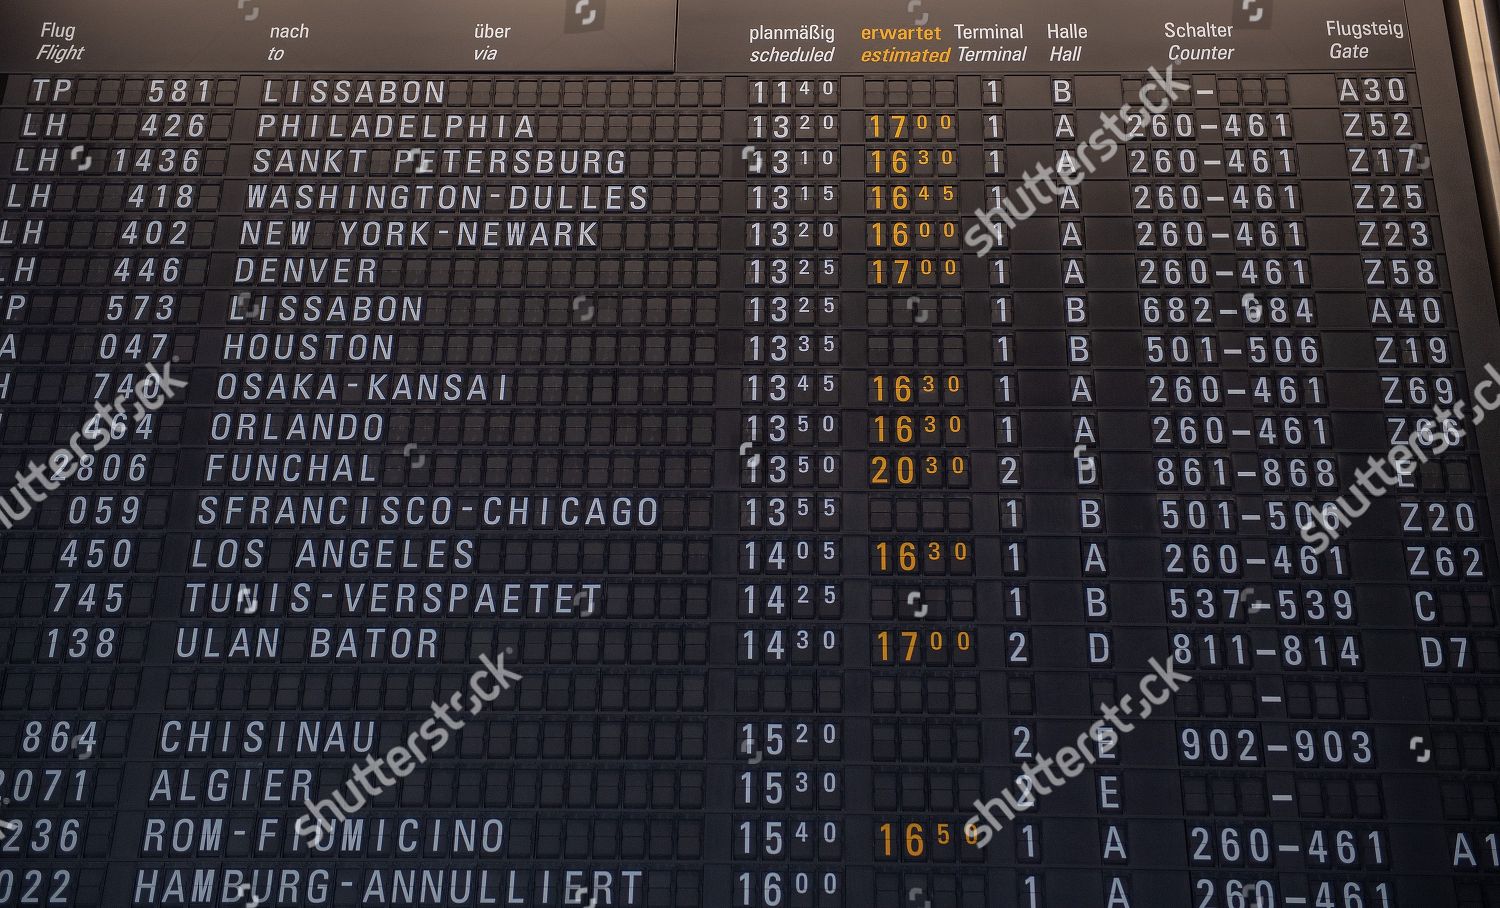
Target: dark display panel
(788, 455)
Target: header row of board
(706, 36)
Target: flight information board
(793, 454)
